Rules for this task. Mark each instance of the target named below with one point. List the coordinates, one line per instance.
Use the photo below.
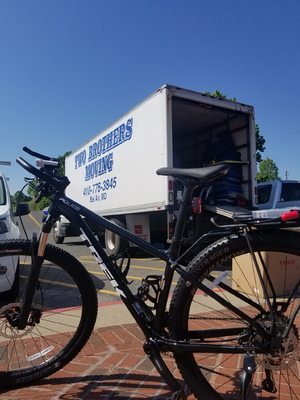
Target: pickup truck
(278, 194)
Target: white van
(9, 274)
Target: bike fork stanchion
(21, 319)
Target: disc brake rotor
(8, 331)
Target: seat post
(185, 203)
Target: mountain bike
(233, 330)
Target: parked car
(9, 266)
(278, 194)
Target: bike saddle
(200, 175)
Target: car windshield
(290, 191)
(2, 192)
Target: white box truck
(114, 173)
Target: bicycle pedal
(150, 288)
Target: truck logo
(96, 159)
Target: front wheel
(229, 326)
(62, 315)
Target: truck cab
(278, 194)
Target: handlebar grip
(30, 168)
(38, 155)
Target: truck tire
(114, 244)
(57, 239)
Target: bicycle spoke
(209, 322)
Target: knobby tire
(64, 311)
(218, 376)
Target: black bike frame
(152, 325)
(80, 216)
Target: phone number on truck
(101, 186)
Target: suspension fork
(37, 259)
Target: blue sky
(68, 68)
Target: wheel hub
(286, 357)
(287, 352)
(7, 330)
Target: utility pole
(286, 174)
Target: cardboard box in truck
(283, 270)
(114, 173)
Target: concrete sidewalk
(112, 365)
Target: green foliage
(260, 144)
(20, 197)
(220, 95)
(268, 171)
(44, 203)
(31, 191)
(61, 163)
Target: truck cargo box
(114, 173)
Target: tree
(260, 144)
(260, 140)
(61, 163)
(268, 171)
(45, 202)
(20, 197)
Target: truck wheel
(57, 239)
(115, 245)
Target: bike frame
(80, 216)
(152, 324)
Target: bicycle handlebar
(59, 183)
(38, 155)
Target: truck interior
(201, 132)
(203, 135)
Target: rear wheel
(61, 319)
(197, 318)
